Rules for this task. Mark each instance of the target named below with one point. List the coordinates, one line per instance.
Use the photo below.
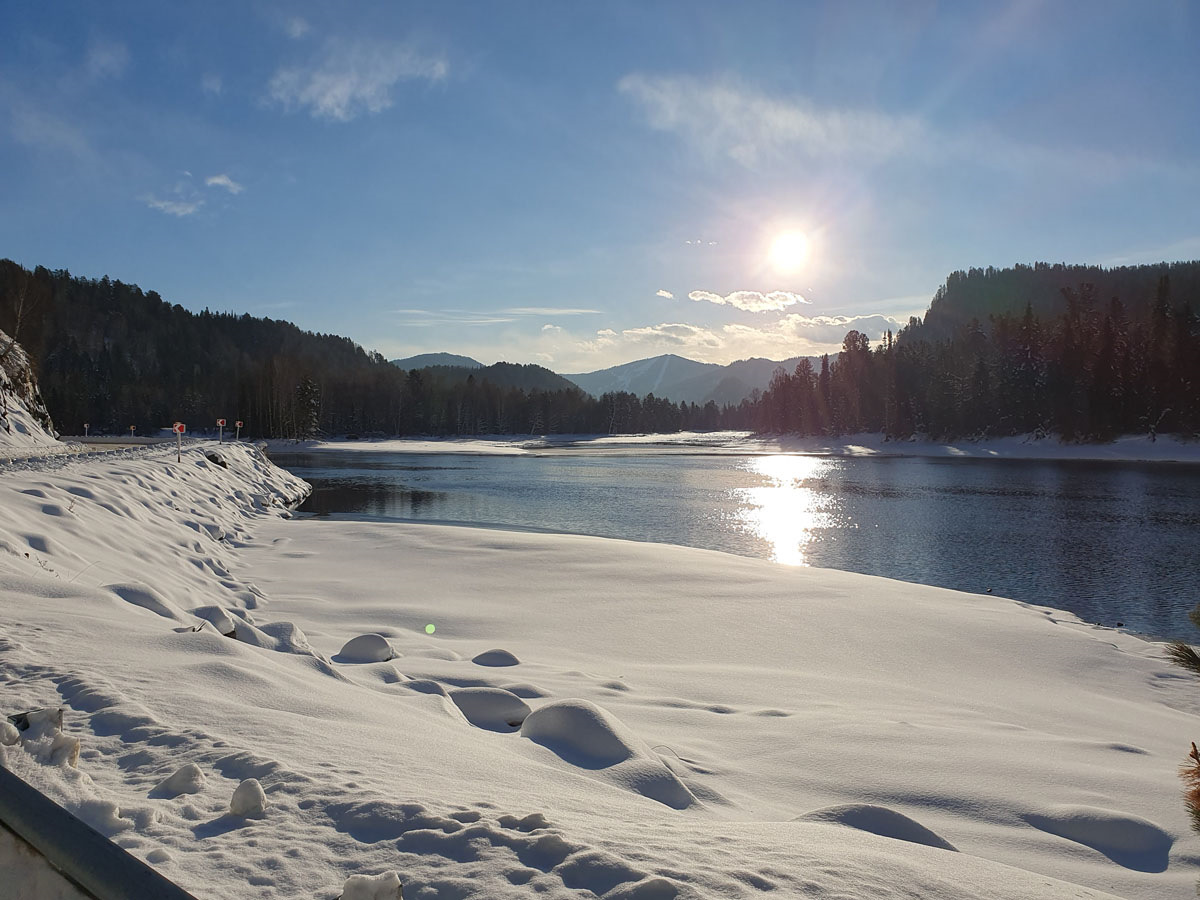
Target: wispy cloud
(666, 294)
(106, 59)
(224, 181)
(34, 126)
(349, 78)
(549, 311)
(296, 27)
(184, 198)
(726, 118)
(180, 208)
(751, 301)
(211, 84)
(424, 318)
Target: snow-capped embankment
(561, 715)
(24, 421)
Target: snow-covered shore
(1131, 448)
(662, 721)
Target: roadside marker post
(179, 429)
(132, 429)
(85, 429)
(220, 431)
(238, 436)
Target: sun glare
(789, 251)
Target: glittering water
(1111, 542)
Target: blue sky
(583, 184)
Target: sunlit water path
(1111, 542)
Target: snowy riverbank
(1132, 448)
(687, 723)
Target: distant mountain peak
(424, 360)
(679, 379)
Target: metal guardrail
(84, 856)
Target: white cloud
(211, 84)
(728, 119)
(551, 329)
(751, 301)
(296, 27)
(106, 59)
(224, 181)
(673, 334)
(666, 294)
(348, 79)
(178, 208)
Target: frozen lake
(1111, 542)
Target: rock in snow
(187, 779)
(249, 799)
(9, 734)
(366, 648)
(495, 658)
(385, 886)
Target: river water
(1111, 542)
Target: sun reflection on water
(786, 510)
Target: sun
(789, 251)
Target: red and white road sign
(221, 422)
(179, 428)
(239, 423)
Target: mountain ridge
(686, 380)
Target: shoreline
(1133, 448)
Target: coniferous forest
(1082, 352)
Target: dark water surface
(1111, 542)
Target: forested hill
(528, 376)
(111, 355)
(980, 294)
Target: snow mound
(495, 658)
(366, 648)
(385, 886)
(878, 820)
(217, 617)
(492, 708)
(589, 737)
(249, 800)
(187, 779)
(580, 732)
(1128, 840)
(8, 734)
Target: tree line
(1000, 351)
(1085, 369)
(111, 355)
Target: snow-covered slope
(585, 718)
(24, 422)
